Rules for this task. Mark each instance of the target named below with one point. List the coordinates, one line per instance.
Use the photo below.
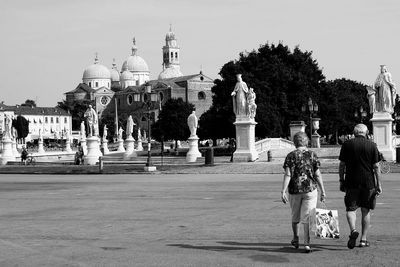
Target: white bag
(326, 224)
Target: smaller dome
(126, 76)
(96, 71)
(170, 73)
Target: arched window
(129, 99)
(97, 84)
(201, 95)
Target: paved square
(175, 220)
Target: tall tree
(172, 121)
(22, 126)
(282, 80)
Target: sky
(46, 45)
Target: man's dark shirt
(359, 154)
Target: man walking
(359, 179)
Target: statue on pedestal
(92, 121)
(239, 96)
(120, 131)
(7, 126)
(129, 127)
(251, 104)
(105, 132)
(385, 91)
(139, 134)
(192, 122)
(83, 131)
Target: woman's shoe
(295, 243)
(364, 243)
(307, 248)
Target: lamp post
(149, 97)
(312, 108)
(360, 113)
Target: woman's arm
(285, 183)
(320, 183)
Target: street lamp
(312, 108)
(149, 97)
(360, 113)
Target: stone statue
(251, 104)
(120, 131)
(83, 131)
(66, 134)
(192, 122)
(7, 126)
(92, 121)
(371, 92)
(239, 96)
(385, 91)
(139, 134)
(105, 132)
(129, 127)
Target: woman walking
(302, 177)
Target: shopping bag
(326, 223)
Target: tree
(77, 110)
(29, 103)
(340, 100)
(172, 121)
(22, 126)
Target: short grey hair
(300, 139)
(360, 129)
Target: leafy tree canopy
(29, 103)
(172, 120)
(283, 80)
(77, 110)
(22, 126)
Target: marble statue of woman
(120, 131)
(386, 91)
(192, 122)
(239, 96)
(83, 131)
(129, 127)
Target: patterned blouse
(303, 164)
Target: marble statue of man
(192, 122)
(7, 126)
(92, 121)
(386, 91)
(105, 132)
(239, 96)
(251, 104)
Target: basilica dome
(96, 71)
(170, 72)
(135, 63)
(114, 75)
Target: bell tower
(171, 51)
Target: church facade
(124, 92)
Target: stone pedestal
(104, 146)
(382, 132)
(120, 145)
(14, 148)
(130, 148)
(295, 127)
(139, 145)
(68, 146)
(84, 146)
(41, 148)
(7, 153)
(193, 152)
(245, 141)
(93, 150)
(315, 141)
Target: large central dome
(96, 71)
(135, 63)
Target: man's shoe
(307, 249)
(364, 243)
(352, 239)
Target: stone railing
(273, 143)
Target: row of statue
(382, 94)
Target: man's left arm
(377, 174)
(342, 171)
